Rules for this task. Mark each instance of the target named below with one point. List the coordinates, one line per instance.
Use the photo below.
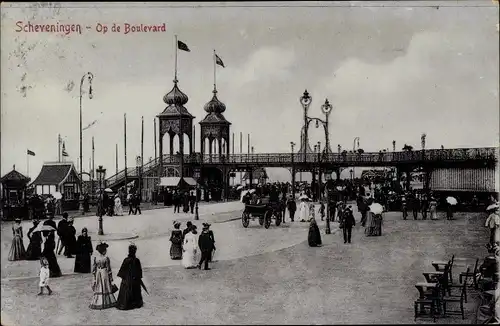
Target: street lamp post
(319, 171)
(89, 76)
(101, 176)
(197, 176)
(292, 145)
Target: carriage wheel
(261, 220)
(245, 219)
(267, 219)
(278, 218)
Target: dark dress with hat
(314, 236)
(17, 251)
(130, 296)
(83, 254)
(176, 247)
(34, 250)
(48, 252)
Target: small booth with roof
(14, 186)
(59, 177)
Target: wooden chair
(428, 297)
(441, 265)
(475, 275)
(422, 303)
(455, 299)
(460, 286)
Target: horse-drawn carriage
(265, 212)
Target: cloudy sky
(391, 71)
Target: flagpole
(176, 49)
(241, 156)
(156, 153)
(93, 167)
(59, 148)
(142, 157)
(27, 164)
(116, 158)
(125, 150)
(215, 69)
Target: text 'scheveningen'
(102, 28)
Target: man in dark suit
(62, 227)
(415, 206)
(206, 245)
(349, 222)
(292, 208)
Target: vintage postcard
(309, 162)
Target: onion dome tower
(215, 128)
(175, 120)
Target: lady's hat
(71, 220)
(101, 245)
(17, 219)
(177, 223)
(206, 225)
(85, 230)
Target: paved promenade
(262, 276)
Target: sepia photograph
(260, 162)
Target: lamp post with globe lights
(292, 145)
(90, 77)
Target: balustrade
(432, 155)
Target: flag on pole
(219, 61)
(64, 153)
(182, 46)
(30, 153)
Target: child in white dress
(44, 275)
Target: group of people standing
(187, 200)
(185, 245)
(424, 204)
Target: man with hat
(349, 222)
(62, 227)
(206, 244)
(187, 229)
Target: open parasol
(492, 207)
(376, 208)
(251, 191)
(57, 195)
(303, 197)
(451, 200)
(240, 187)
(41, 227)
(108, 190)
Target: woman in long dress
(176, 239)
(48, 252)
(118, 206)
(303, 210)
(433, 209)
(84, 252)
(34, 251)
(190, 249)
(377, 221)
(314, 236)
(17, 251)
(130, 296)
(103, 280)
(370, 224)
(70, 238)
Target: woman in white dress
(190, 249)
(304, 210)
(118, 206)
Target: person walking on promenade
(189, 225)
(292, 208)
(206, 245)
(176, 240)
(103, 297)
(189, 248)
(130, 295)
(493, 223)
(404, 207)
(177, 202)
(349, 223)
(17, 251)
(83, 253)
(415, 207)
(192, 201)
(424, 206)
(433, 208)
(314, 236)
(131, 204)
(44, 276)
(449, 211)
(48, 252)
(62, 230)
(34, 251)
(304, 209)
